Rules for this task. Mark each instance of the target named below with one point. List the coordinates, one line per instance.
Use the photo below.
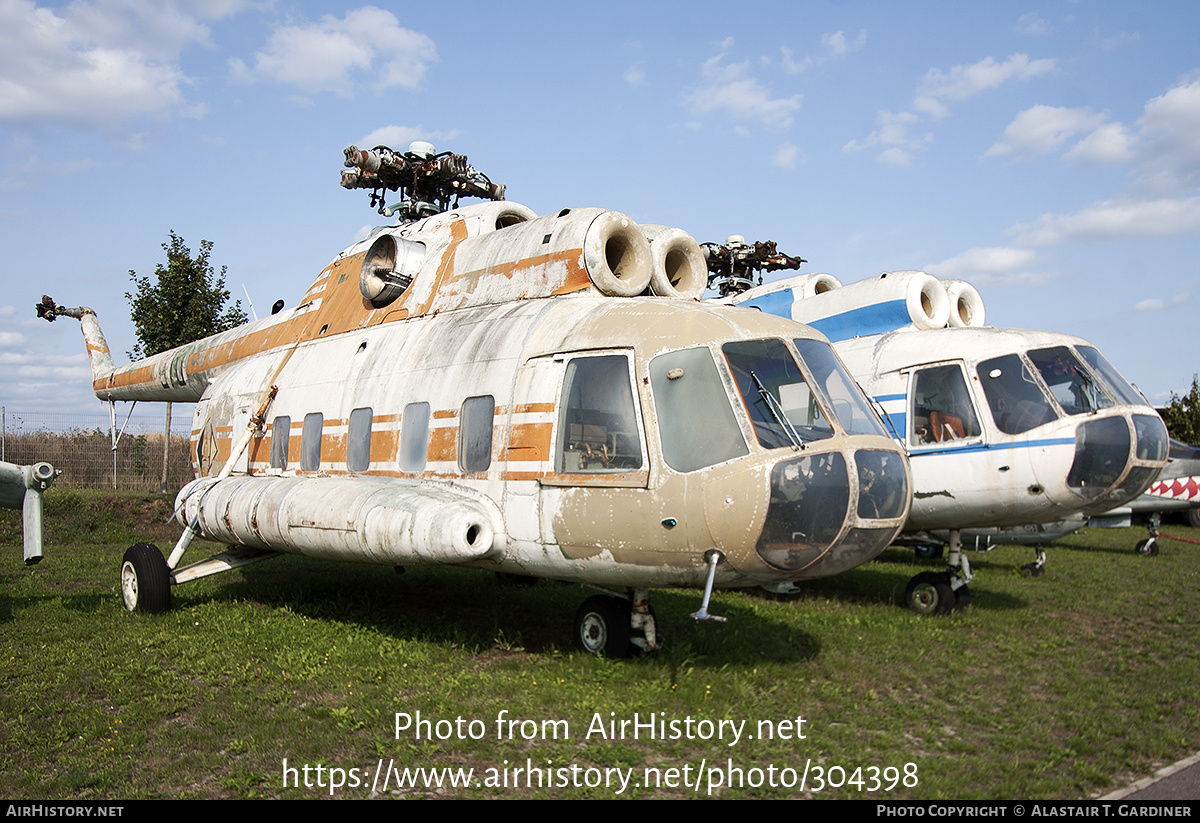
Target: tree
(184, 302)
(1182, 414)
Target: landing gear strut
(616, 627)
(1148, 546)
(931, 593)
(1038, 567)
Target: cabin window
(689, 397)
(310, 442)
(782, 407)
(281, 433)
(598, 426)
(414, 437)
(1016, 402)
(849, 405)
(358, 440)
(1069, 382)
(475, 433)
(941, 407)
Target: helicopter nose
(816, 523)
(1104, 448)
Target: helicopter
(544, 396)
(1003, 427)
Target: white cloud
(732, 89)
(1119, 39)
(786, 156)
(1111, 143)
(634, 75)
(367, 47)
(1112, 220)
(1043, 129)
(989, 264)
(1157, 303)
(836, 46)
(398, 137)
(894, 156)
(91, 65)
(1162, 143)
(964, 82)
(894, 136)
(935, 91)
(1170, 150)
(1033, 25)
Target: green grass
(1067, 685)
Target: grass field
(1069, 685)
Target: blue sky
(1047, 152)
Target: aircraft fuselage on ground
(473, 389)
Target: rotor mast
(426, 180)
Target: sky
(1046, 152)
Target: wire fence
(80, 446)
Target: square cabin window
(281, 433)
(414, 437)
(310, 442)
(598, 427)
(358, 440)
(941, 407)
(475, 433)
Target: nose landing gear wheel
(1147, 547)
(602, 626)
(929, 593)
(145, 579)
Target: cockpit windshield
(785, 411)
(1069, 381)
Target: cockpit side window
(783, 408)
(941, 407)
(849, 405)
(1016, 402)
(696, 423)
(598, 426)
(1069, 382)
(1110, 377)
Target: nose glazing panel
(810, 497)
(882, 485)
(1101, 453)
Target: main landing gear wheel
(602, 626)
(1147, 547)
(929, 593)
(145, 579)
(927, 552)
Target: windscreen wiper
(776, 410)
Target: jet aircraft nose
(1116, 459)
(832, 511)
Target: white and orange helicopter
(1003, 427)
(541, 396)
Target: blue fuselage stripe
(874, 319)
(980, 447)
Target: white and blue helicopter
(1003, 427)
